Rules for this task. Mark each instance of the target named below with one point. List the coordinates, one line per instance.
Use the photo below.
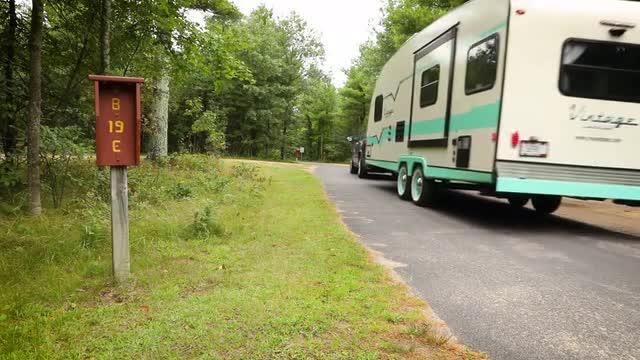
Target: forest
(238, 85)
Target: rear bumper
(585, 182)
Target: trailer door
(431, 100)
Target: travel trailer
(521, 99)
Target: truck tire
(404, 183)
(362, 169)
(546, 204)
(424, 192)
(354, 169)
(518, 201)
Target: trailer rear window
(600, 70)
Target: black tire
(546, 204)
(354, 169)
(403, 184)
(362, 169)
(424, 192)
(518, 201)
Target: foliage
(182, 191)
(206, 123)
(204, 224)
(11, 176)
(238, 83)
(60, 147)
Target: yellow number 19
(118, 124)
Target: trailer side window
(600, 70)
(377, 113)
(429, 86)
(482, 65)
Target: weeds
(181, 191)
(93, 234)
(428, 333)
(204, 224)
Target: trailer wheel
(546, 204)
(404, 183)
(518, 201)
(424, 192)
(362, 168)
(354, 169)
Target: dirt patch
(606, 214)
(119, 295)
(200, 288)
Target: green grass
(269, 273)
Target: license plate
(534, 149)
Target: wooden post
(118, 113)
(120, 223)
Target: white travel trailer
(521, 99)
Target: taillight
(515, 139)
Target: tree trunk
(35, 107)
(283, 144)
(267, 143)
(159, 118)
(309, 136)
(105, 38)
(9, 130)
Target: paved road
(508, 283)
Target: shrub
(12, 183)
(204, 224)
(193, 162)
(11, 175)
(182, 191)
(207, 130)
(93, 233)
(61, 148)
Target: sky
(342, 25)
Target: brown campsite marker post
(118, 112)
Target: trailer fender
(412, 161)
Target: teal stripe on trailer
(427, 127)
(481, 117)
(568, 188)
(384, 164)
(386, 135)
(459, 175)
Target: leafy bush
(207, 125)
(204, 224)
(12, 179)
(61, 147)
(194, 162)
(182, 191)
(93, 233)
